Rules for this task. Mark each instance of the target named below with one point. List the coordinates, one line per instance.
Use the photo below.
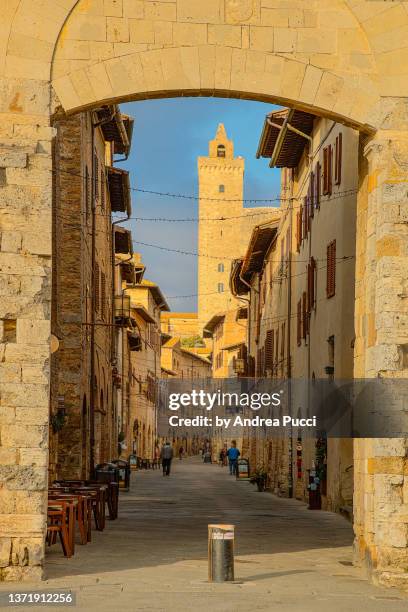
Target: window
(269, 346)
(299, 323)
(103, 295)
(317, 188)
(220, 267)
(220, 151)
(220, 287)
(276, 350)
(221, 188)
(305, 220)
(327, 170)
(96, 175)
(96, 288)
(337, 159)
(331, 269)
(305, 316)
(299, 216)
(87, 191)
(311, 284)
(282, 353)
(102, 190)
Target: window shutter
(87, 191)
(96, 288)
(269, 345)
(330, 170)
(283, 335)
(338, 159)
(96, 175)
(305, 315)
(102, 190)
(318, 179)
(299, 323)
(277, 350)
(305, 217)
(298, 231)
(331, 269)
(103, 294)
(311, 276)
(312, 194)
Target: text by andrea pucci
(357, 408)
(254, 402)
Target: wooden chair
(58, 522)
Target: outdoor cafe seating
(75, 507)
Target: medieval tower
(221, 185)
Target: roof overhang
(141, 310)
(116, 128)
(237, 286)
(123, 240)
(284, 136)
(231, 347)
(261, 240)
(119, 190)
(157, 295)
(195, 355)
(169, 372)
(212, 324)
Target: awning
(141, 310)
(116, 128)
(280, 139)
(123, 241)
(236, 285)
(119, 190)
(261, 239)
(212, 324)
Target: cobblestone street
(154, 557)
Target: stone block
(164, 11)
(113, 8)
(12, 159)
(228, 35)
(23, 478)
(10, 241)
(22, 574)
(37, 243)
(117, 29)
(36, 457)
(141, 31)
(190, 34)
(276, 17)
(100, 81)
(10, 372)
(163, 32)
(284, 40)
(5, 550)
(196, 11)
(33, 332)
(261, 38)
(133, 8)
(308, 42)
(88, 27)
(310, 84)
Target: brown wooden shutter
(298, 229)
(305, 315)
(318, 184)
(331, 269)
(338, 159)
(282, 355)
(102, 190)
(330, 172)
(276, 350)
(312, 194)
(299, 323)
(269, 346)
(311, 281)
(305, 217)
(103, 294)
(96, 288)
(96, 175)
(87, 191)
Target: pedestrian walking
(222, 456)
(233, 454)
(166, 456)
(181, 452)
(157, 454)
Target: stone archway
(344, 60)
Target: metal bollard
(220, 553)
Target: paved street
(154, 557)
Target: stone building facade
(301, 274)
(83, 427)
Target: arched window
(220, 151)
(220, 287)
(221, 188)
(220, 267)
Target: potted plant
(259, 477)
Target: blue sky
(168, 137)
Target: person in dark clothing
(233, 454)
(166, 456)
